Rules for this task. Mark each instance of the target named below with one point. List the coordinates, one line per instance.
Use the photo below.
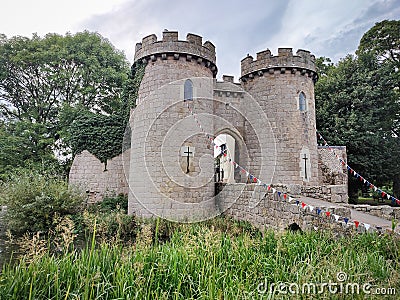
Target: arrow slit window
(188, 90)
(302, 102)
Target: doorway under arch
(228, 158)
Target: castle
(266, 121)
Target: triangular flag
(284, 196)
(328, 213)
(297, 202)
(365, 180)
(247, 174)
(303, 205)
(269, 187)
(237, 165)
(291, 199)
(273, 190)
(318, 211)
(259, 182)
(388, 196)
(375, 188)
(383, 194)
(346, 220)
(336, 217)
(255, 179)
(279, 194)
(356, 223)
(367, 226)
(311, 208)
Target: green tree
(46, 82)
(383, 41)
(357, 107)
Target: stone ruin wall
(88, 174)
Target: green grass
(213, 260)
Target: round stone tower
(171, 166)
(283, 85)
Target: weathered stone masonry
(275, 138)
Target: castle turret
(283, 85)
(171, 170)
(171, 59)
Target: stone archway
(230, 147)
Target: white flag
(367, 226)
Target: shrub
(33, 199)
(114, 203)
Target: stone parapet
(382, 211)
(192, 49)
(302, 63)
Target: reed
(220, 260)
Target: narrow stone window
(188, 90)
(302, 102)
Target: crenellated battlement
(303, 61)
(192, 49)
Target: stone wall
(87, 172)
(331, 171)
(383, 211)
(250, 202)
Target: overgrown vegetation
(34, 199)
(219, 259)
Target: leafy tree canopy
(357, 105)
(45, 83)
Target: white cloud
(329, 28)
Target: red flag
(284, 196)
(303, 204)
(255, 179)
(224, 154)
(269, 187)
(361, 178)
(328, 213)
(356, 223)
(383, 194)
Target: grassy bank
(223, 260)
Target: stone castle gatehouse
(266, 122)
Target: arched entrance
(229, 154)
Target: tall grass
(203, 261)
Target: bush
(33, 199)
(114, 203)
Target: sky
(330, 28)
